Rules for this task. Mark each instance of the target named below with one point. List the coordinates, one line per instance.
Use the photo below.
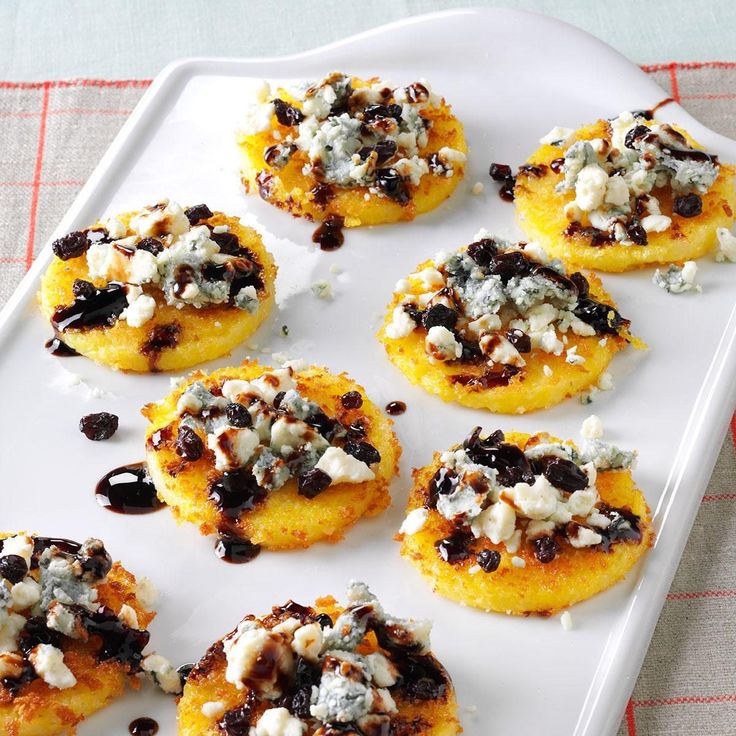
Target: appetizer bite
(624, 193)
(525, 523)
(72, 634)
(498, 326)
(352, 151)
(321, 671)
(272, 458)
(159, 289)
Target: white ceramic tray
(510, 77)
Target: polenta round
(270, 458)
(525, 524)
(624, 193)
(351, 151)
(320, 671)
(498, 326)
(159, 289)
(60, 661)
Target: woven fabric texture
(55, 132)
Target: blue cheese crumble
(677, 279)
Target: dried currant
(488, 560)
(100, 426)
(189, 444)
(197, 212)
(688, 205)
(352, 400)
(13, 568)
(311, 484)
(363, 451)
(70, 246)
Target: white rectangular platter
(510, 77)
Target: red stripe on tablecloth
(725, 96)
(52, 183)
(674, 83)
(701, 594)
(630, 718)
(37, 175)
(719, 497)
(63, 83)
(687, 700)
(688, 65)
(65, 111)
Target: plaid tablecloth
(53, 134)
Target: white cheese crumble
(592, 428)
(518, 562)
(676, 279)
(344, 468)
(726, 245)
(213, 709)
(566, 621)
(163, 673)
(414, 521)
(279, 722)
(48, 661)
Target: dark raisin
(471, 351)
(483, 251)
(689, 205)
(352, 400)
(287, 114)
(520, 340)
(197, 212)
(581, 284)
(276, 403)
(189, 444)
(500, 172)
(375, 112)
(385, 150)
(602, 317)
(506, 192)
(83, 289)
(414, 312)
(455, 547)
(311, 484)
(443, 483)
(363, 451)
(556, 164)
(99, 426)
(637, 132)
(152, 245)
(508, 460)
(488, 560)
(508, 265)
(323, 620)
(184, 671)
(37, 632)
(301, 701)
(565, 475)
(236, 722)
(357, 430)
(636, 232)
(13, 568)
(393, 185)
(535, 170)
(72, 245)
(228, 242)
(545, 549)
(238, 416)
(439, 315)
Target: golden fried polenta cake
(72, 633)
(524, 523)
(270, 458)
(321, 671)
(498, 326)
(352, 151)
(624, 193)
(159, 289)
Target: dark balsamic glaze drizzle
(235, 550)
(329, 235)
(128, 490)
(56, 346)
(394, 408)
(143, 727)
(649, 114)
(491, 378)
(101, 307)
(160, 338)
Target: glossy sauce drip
(394, 408)
(143, 727)
(59, 348)
(329, 235)
(102, 307)
(235, 550)
(322, 194)
(128, 490)
(420, 676)
(160, 338)
(649, 114)
(235, 492)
